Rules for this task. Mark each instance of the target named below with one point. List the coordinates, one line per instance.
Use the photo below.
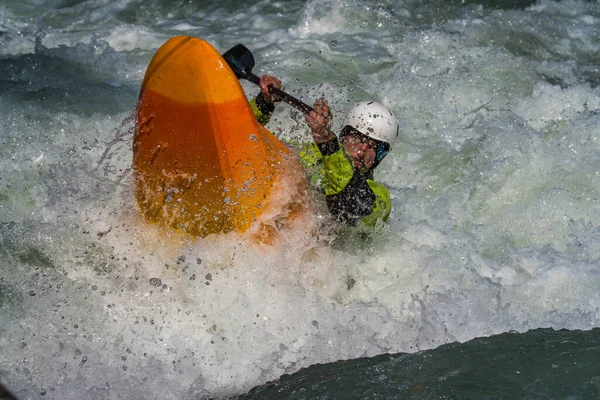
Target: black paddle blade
(240, 60)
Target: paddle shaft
(241, 62)
(300, 105)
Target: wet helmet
(376, 121)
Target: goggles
(381, 148)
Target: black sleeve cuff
(328, 148)
(263, 106)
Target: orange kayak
(202, 163)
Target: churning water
(495, 224)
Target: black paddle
(241, 61)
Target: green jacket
(351, 196)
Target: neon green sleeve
(338, 171)
(309, 153)
(382, 206)
(330, 173)
(312, 162)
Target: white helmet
(373, 120)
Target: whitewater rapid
(495, 187)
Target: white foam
(550, 105)
(495, 221)
(129, 38)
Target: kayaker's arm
(263, 105)
(319, 121)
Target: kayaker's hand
(265, 82)
(319, 122)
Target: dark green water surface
(539, 364)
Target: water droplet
(155, 282)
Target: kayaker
(343, 167)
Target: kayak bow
(202, 163)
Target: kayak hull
(202, 163)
